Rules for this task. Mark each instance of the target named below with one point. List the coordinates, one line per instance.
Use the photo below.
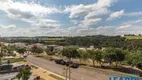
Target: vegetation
(98, 41)
(24, 74)
(107, 49)
(70, 52)
(108, 55)
(56, 77)
(133, 37)
(114, 55)
(36, 50)
(83, 55)
(21, 50)
(6, 51)
(135, 59)
(13, 60)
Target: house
(55, 48)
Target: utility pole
(1, 52)
(68, 75)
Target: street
(76, 74)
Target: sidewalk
(44, 74)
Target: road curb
(47, 70)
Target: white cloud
(72, 28)
(97, 12)
(130, 30)
(117, 14)
(88, 14)
(134, 14)
(122, 27)
(91, 21)
(27, 11)
(46, 25)
(119, 30)
(82, 10)
(48, 20)
(85, 31)
(12, 26)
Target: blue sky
(72, 17)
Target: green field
(51, 39)
(44, 39)
(133, 37)
(13, 60)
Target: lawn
(133, 37)
(56, 77)
(51, 39)
(13, 60)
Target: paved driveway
(76, 74)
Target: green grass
(56, 77)
(133, 37)
(51, 39)
(13, 60)
(43, 39)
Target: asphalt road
(76, 74)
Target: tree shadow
(127, 70)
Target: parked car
(69, 63)
(75, 65)
(60, 61)
(139, 66)
(72, 64)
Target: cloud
(12, 26)
(43, 24)
(130, 30)
(119, 29)
(85, 31)
(98, 12)
(117, 14)
(85, 16)
(122, 27)
(81, 10)
(49, 20)
(134, 14)
(26, 11)
(91, 21)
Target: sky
(70, 17)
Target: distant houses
(90, 48)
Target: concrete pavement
(7, 76)
(76, 74)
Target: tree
(36, 50)
(92, 56)
(70, 52)
(48, 52)
(95, 55)
(134, 59)
(99, 56)
(120, 56)
(2, 52)
(114, 55)
(24, 74)
(83, 55)
(21, 50)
